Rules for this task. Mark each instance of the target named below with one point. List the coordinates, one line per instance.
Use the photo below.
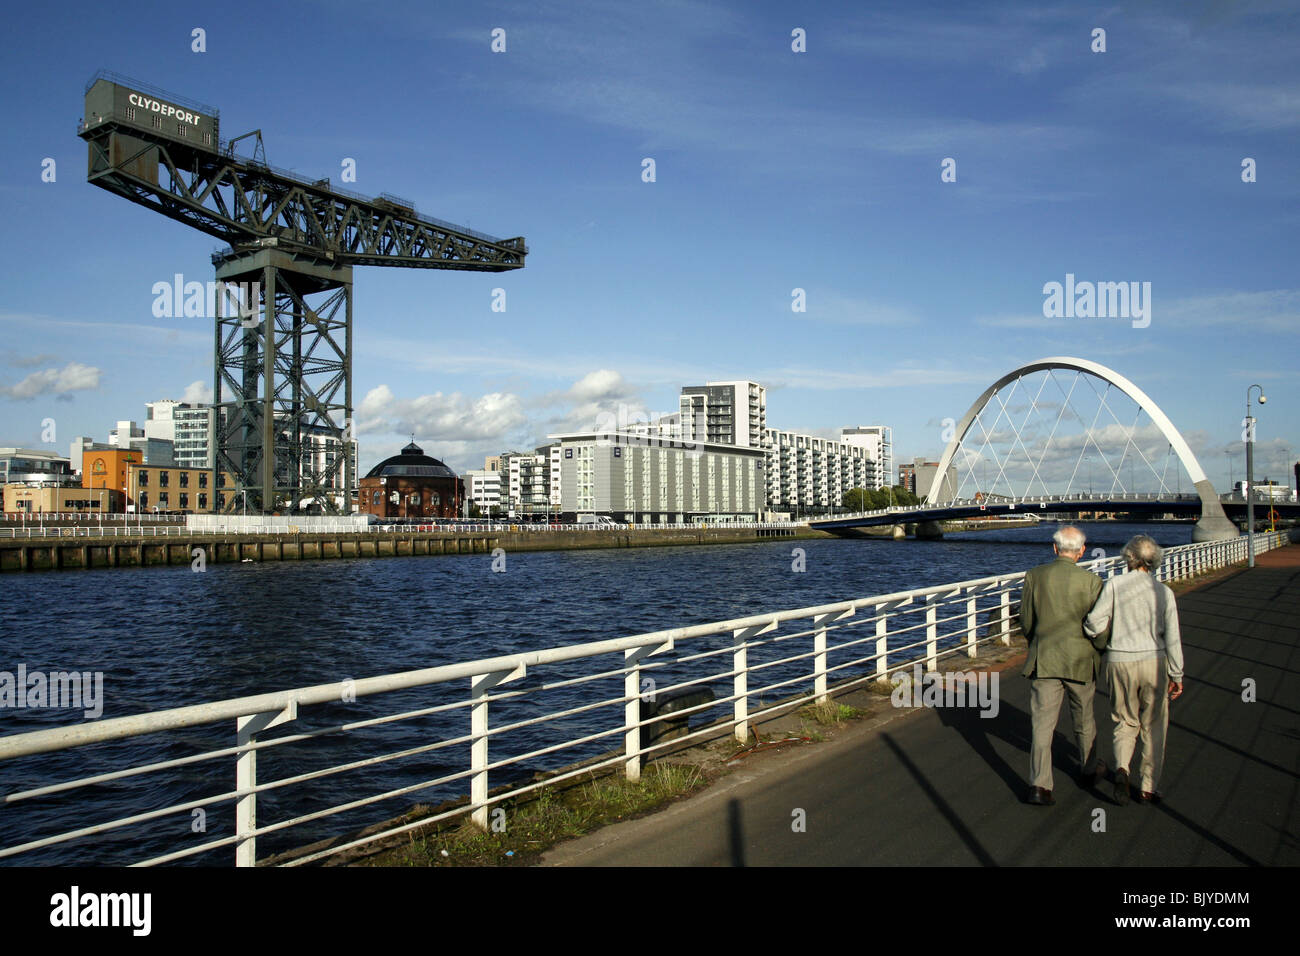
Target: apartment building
(636, 478)
(724, 413)
(814, 473)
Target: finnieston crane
(282, 364)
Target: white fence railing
(498, 527)
(762, 665)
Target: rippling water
(168, 637)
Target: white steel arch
(1212, 516)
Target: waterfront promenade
(945, 787)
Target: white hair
(1069, 540)
(1143, 552)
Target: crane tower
(282, 356)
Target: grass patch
(830, 714)
(523, 830)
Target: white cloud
(439, 417)
(73, 377)
(197, 392)
(598, 385)
(602, 398)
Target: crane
(282, 356)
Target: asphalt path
(945, 787)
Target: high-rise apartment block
(724, 413)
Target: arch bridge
(1030, 461)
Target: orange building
(107, 469)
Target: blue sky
(775, 170)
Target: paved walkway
(944, 787)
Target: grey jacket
(1143, 617)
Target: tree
(904, 497)
(856, 499)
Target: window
(185, 500)
(184, 477)
(203, 502)
(157, 121)
(203, 479)
(144, 478)
(163, 478)
(162, 499)
(130, 113)
(144, 499)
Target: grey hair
(1069, 540)
(1143, 552)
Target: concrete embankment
(74, 552)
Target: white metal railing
(34, 517)
(499, 527)
(836, 645)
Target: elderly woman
(1144, 663)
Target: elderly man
(1063, 661)
(1144, 663)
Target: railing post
(931, 633)
(740, 683)
(819, 658)
(1005, 614)
(882, 642)
(972, 624)
(246, 730)
(632, 708)
(480, 687)
(819, 651)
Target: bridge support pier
(929, 531)
(1214, 524)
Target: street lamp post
(1250, 476)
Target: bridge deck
(944, 787)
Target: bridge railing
(525, 720)
(1003, 502)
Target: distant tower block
(282, 357)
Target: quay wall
(128, 551)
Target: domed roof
(411, 463)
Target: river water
(168, 637)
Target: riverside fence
(136, 788)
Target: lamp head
(1262, 399)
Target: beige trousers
(1139, 707)
(1045, 710)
